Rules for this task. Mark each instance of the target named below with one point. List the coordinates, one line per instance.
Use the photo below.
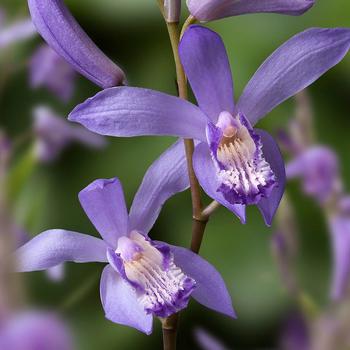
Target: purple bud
(319, 169)
(172, 10)
(50, 70)
(62, 32)
(206, 341)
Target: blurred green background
(133, 34)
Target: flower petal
(292, 67)
(120, 302)
(204, 58)
(340, 236)
(206, 174)
(54, 247)
(126, 111)
(61, 31)
(104, 203)
(209, 10)
(273, 156)
(210, 290)
(166, 176)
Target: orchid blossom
(235, 164)
(143, 278)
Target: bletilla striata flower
(209, 10)
(235, 164)
(318, 168)
(143, 278)
(53, 134)
(51, 71)
(63, 34)
(34, 330)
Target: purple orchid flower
(63, 34)
(318, 167)
(34, 330)
(209, 10)
(50, 70)
(143, 277)
(235, 164)
(54, 133)
(16, 32)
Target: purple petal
(210, 290)
(61, 31)
(273, 156)
(292, 67)
(121, 304)
(104, 203)
(126, 111)
(34, 330)
(54, 247)
(209, 10)
(16, 32)
(206, 174)
(166, 176)
(206, 64)
(340, 236)
(56, 273)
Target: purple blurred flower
(54, 133)
(58, 27)
(207, 341)
(235, 164)
(143, 277)
(340, 236)
(33, 330)
(319, 169)
(209, 10)
(295, 334)
(15, 32)
(50, 70)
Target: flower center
(163, 288)
(244, 174)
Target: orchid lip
(162, 287)
(243, 173)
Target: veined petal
(207, 177)
(273, 156)
(121, 304)
(292, 67)
(204, 58)
(164, 178)
(62, 32)
(210, 290)
(54, 247)
(209, 10)
(104, 203)
(126, 111)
